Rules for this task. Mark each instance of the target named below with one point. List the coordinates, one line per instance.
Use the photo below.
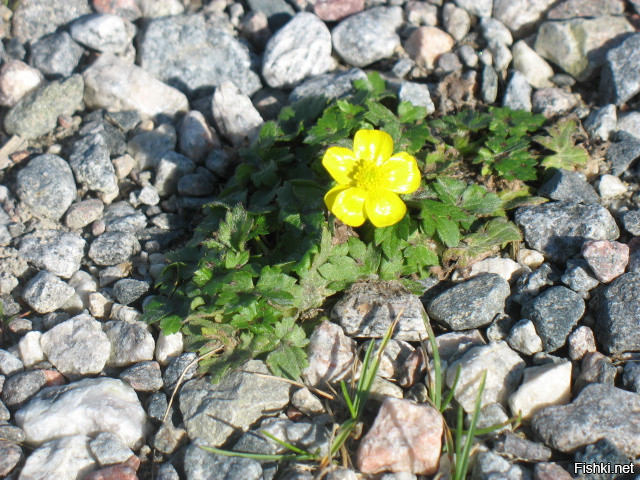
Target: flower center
(367, 175)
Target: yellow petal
(339, 162)
(373, 145)
(384, 208)
(401, 173)
(346, 203)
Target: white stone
(99, 305)
(530, 258)
(30, 349)
(130, 343)
(168, 346)
(66, 458)
(523, 338)
(505, 267)
(542, 386)
(16, 80)
(104, 33)
(534, 68)
(84, 285)
(611, 186)
(235, 116)
(87, 407)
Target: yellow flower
(369, 178)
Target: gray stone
(578, 278)
(189, 54)
(143, 376)
(489, 84)
(166, 471)
(300, 49)
(113, 83)
(600, 411)
(448, 63)
(171, 167)
(595, 368)
(103, 32)
(524, 339)
(493, 29)
(149, 147)
(520, 16)
(181, 368)
(604, 452)
(77, 346)
(92, 165)
(517, 94)
(16, 80)
(47, 186)
(470, 304)
(368, 310)
(46, 293)
(418, 94)
(277, 12)
(128, 290)
(37, 113)
(19, 388)
(33, 19)
(631, 221)
(87, 407)
(456, 21)
(81, 214)
(197, 139)
(56, 251)
(620, 78)
(629, 123)
(468, 56)
(552, 102)
(555, 312)
(617, 313)
(490, 465)
(10, 456)
(9, 364)
(108, 449)
(112, 248)
(65, 458)
(558, 229)
(504, 369)
(535, 69)
(332, 355)
(122, 217)
(328, 85)
(198, 184)
(601, 122)
(623, 153)
(130, 343)
(479, 8)
(569, 9)
(202, 465)
(369, 36)
(501, 55)
(214, 412)
(235, 116)
(579, 46)
(570, 186)
(631, 377)
(515, 447)
(56, 54)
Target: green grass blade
(452, 392)
(341, 437)
(260, 456)
(347, 399)
(284, 444)
(466, 451)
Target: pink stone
(53, 378)
(581, 341)
(333, 10)
(550, 471)
(114, 472)
(405, 437)
(16, 80)
(607, 259)
(125, 8)
(331, 355)
(426, 44)
(414, 366)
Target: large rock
(579, 46)
(37, 113)
(600, 411)
(87, 407)
(620, 79)
(189, 54)
(369, 36)
(300, 49)
(35, 18)
(213, 412)
(118, 85)
(559, 229)
(617, 313)
(56, 251)
(56, 54)
(65, 458)
(77, 346)
(236, 117)
(46, 293)
(112, 248)
(369, 309)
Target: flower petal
(346, 203)
(384, 208)
(340, 162)
(372, 145)
(401, 173)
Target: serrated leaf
(448, 231)
(410, 113)
(560, 141)
(171, 324)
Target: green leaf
(560, 141)
(171, 324)
(448, 231)
(410, 113)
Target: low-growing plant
(268, 254)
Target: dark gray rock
(490, 465)
(599, 412)
(328, 85)
(56, 251)
(470, 304)
(128, 290)
(176, 368)
(157, 406)
(112, 248)
(569, 186)
(553, 102)
(19, 388)
(602, 452)
(631, 376)
(518, 448)
(278, 12)
(124, 120)
(36, 18)
(56, 54)
(166, 471)
(554, 313)
(190, 55)
(10, 456)
(92, 165)
(623, 153)
(489, 84)
(9, 364)
(601, 122)
(620, 78)
(479, 8)
(300, 49)
(202, 465)
(616, 314)
(578, 278)
(171, 167)
(45, 292)
(198, 184)
(595, 368)
(109, 450)
(37, 113)
(559, 229)
(367, 37)
(47, 186)
(122, 217)
(130, 343)
(96, 124)
(143, 377)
